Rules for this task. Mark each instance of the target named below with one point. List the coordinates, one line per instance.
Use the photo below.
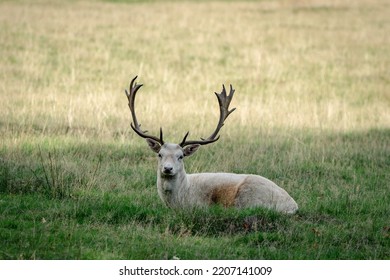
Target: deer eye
(180, 157)
(160, 155)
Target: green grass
(107, 206)
(312, 98)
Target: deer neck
(171, 188)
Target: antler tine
(133, 88)
(224, 102)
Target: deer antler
(133, 88)
(224, 102)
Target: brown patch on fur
(224, 195)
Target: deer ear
(190, 149)
(154, 145)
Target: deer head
(171, 155)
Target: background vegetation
(312, 92)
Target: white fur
(180, 190)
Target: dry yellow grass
(295, 64)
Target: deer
(179, 190)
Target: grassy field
(312, 80)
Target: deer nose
(168, 169)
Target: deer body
(180, 190)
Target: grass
(312, 98)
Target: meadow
(312, 80)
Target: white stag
(180, 190)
